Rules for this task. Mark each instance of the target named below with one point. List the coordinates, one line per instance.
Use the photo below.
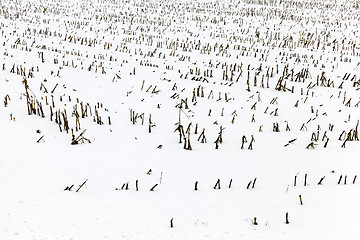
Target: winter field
(151, 119)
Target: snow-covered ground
(102, 92)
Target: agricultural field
(151, 119)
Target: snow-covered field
(184, 119)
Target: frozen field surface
(149, 119)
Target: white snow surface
(133, 59)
